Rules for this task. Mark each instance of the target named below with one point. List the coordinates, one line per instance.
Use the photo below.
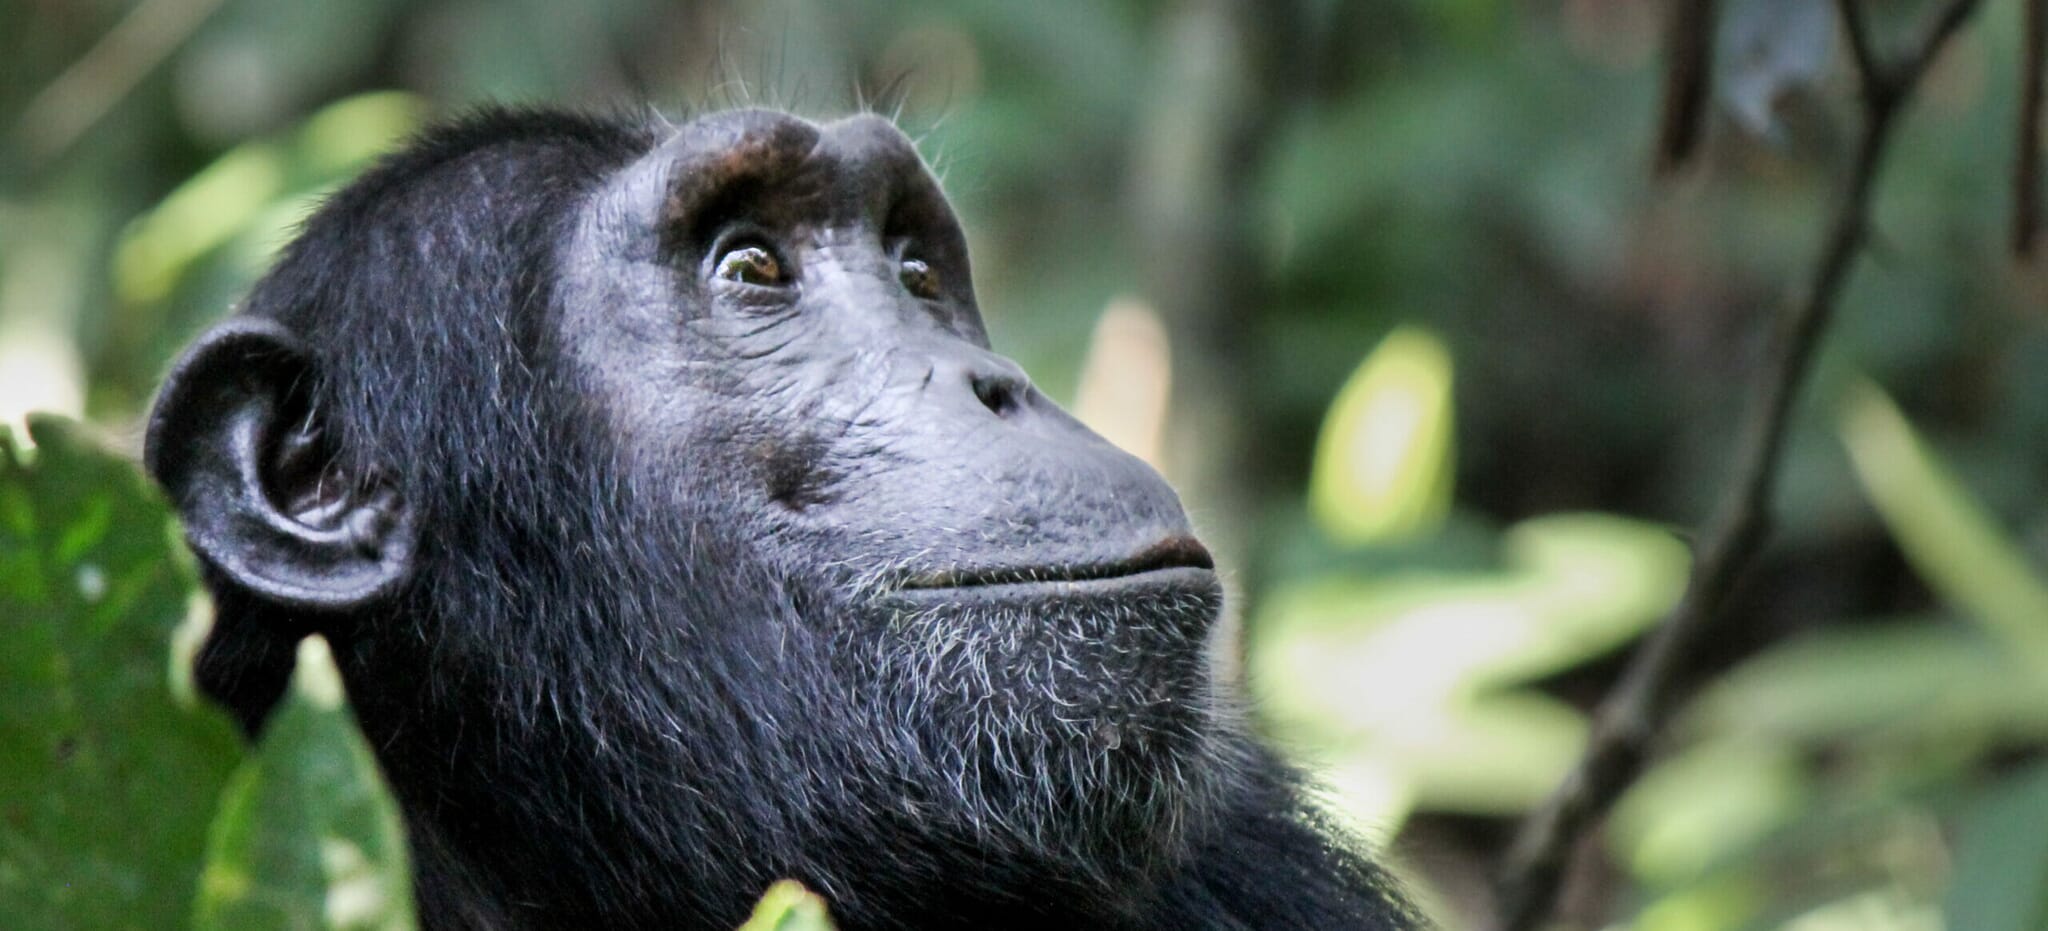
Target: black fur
(638, 629)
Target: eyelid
(737, 236)
(932, 284)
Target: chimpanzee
(676, 530)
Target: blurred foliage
(1496, 366)
(1413, 677)
(307, 835)
(1383, 464)
(89, 593)
(130, 804)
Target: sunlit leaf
(1721, 903)
(1495, 754)
(1127, 378)
(206, 211)
(1383, 465)
(307, 835)
(1701, 806)
(40, 368)
(1370, 794)
(345, 135)
(1901, 679)
(1956, 547)
(255, 191)
(1888, 909)
(788, 906)
(1593, 582)
(1576, 586)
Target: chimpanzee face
(662, 483)
(778, 317)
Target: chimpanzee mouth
(1179, 557)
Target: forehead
(626, 270)
(855, 166)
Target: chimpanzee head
(677, 529)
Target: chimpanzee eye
(919, 277)
(751, 265)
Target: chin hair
(1071, 727)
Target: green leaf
(307, 835)
(1905, 679)
(1698, 808)
(255, 193)
(1954, 545)
(1884, 909)
(2001, 859)
(1401, 678)
(1576, 586)
(1496, 754)
(1383, 464)
(788, 906)
(1489, 755)
(1725, 901)
(209, 209)
(107, 782)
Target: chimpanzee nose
(1002, 392)
(996, 383)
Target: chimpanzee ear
(243, 456)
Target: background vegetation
(1387, 285)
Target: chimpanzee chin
(677, 530)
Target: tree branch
(63, 111)
(1861, 52)
(2026, 180)
(1635, 711)
(1688, 73)
(1208, 131)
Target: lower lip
(1172, 578)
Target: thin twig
(84, 93)
(1688, 72)
(1861, 52)
(1932, 39)
(2026, 178)
(1635, 711)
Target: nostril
(997, 393)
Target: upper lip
(1180, 552)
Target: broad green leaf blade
(1496, 754)
(2001, 860)
(1576, 586)
(1705, 805)
(788, 906)
(1726, 901)
(1383, 463)
(1905, 681)
(209, 209)
(1884, 909)
(1489, 755)
(307, 835)
(107, 781)
(246, 203)
(1956, 547)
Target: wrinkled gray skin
(1014, 594)
(919, 446)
